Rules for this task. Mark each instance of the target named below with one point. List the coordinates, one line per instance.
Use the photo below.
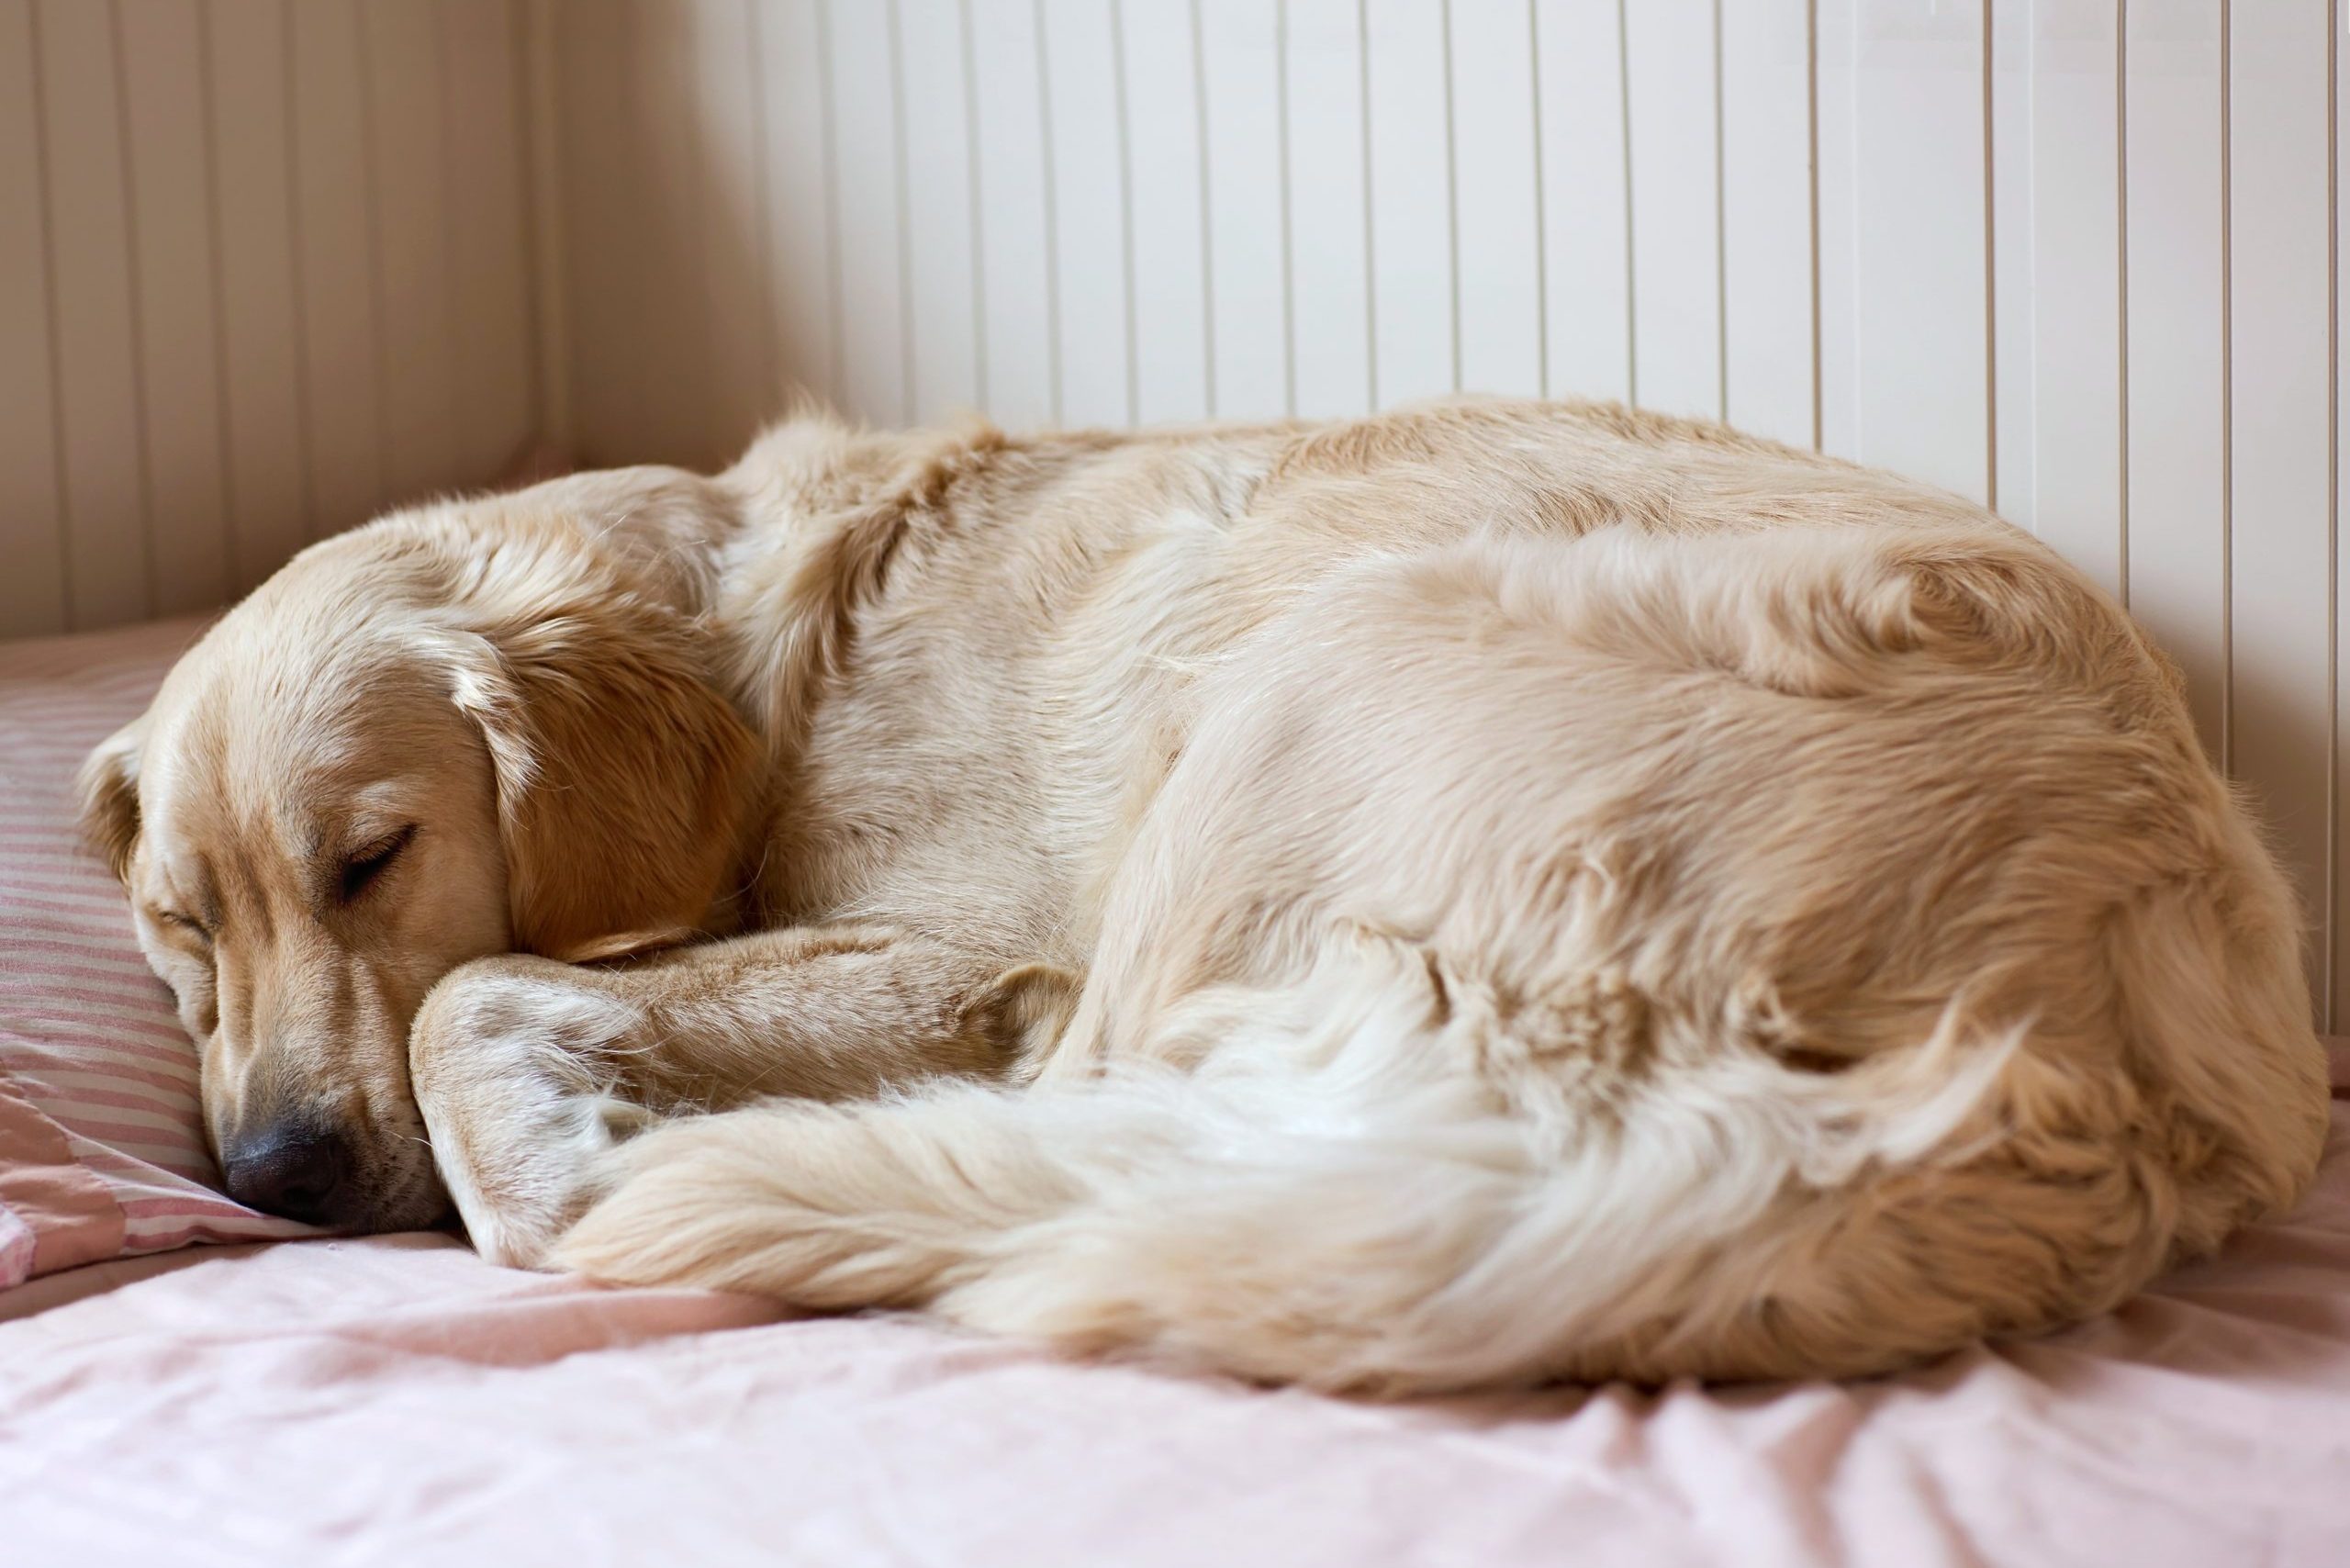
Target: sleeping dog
(1488, 893)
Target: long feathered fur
(1778, 1037)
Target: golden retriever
(1481, 894)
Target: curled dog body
(1485, 893)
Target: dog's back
(1573, 894)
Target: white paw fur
(514, 1076)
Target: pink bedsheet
(396, 1401)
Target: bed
(394, 1399)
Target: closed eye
(186, 922)
(367, 865)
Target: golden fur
(1485, 893)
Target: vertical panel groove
(2121, 268)
(836, 346)
(762, 208)
(294, 258)
(1811, 136)
(454, 346)
(747, 196)
(1452, 194)
(537, 120)
(2227, 393)
(904, 202)
(1207, 208)
(1288, 250)
(1721, 237)
(206, 94)
(1245, 278)
(2281, 626)
(1126, 205)
(1762, 151)
(2332, 894)
(179, 429)
(141, 444)
(1052, 215)
(49, 312)
(1990, 285)
(1631, 270)
(1370, 207)
(978, 207)
(368, 113)
(1541, 219)
(32, 539)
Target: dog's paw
(513, 1072)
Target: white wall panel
(940, 237)
(1015, 213)
(261, 285)
(2177, 381)
(494, 405)
(1414, 223)
(796, 201)
(2057, 168)
(263, 270)
(1835, 75)
(1586, 206)
(1086, 109)
(866, 174)
(2334, 986)
(2334, 983)
(539, 128)
(334, 193)
(2009, 168)
(1766, 217)
(601, 319)
(735, 358)
(1903, 210)
(1494, 157)
(1329, 278)
(670, 229)
(1167, 160)
(32, 524)
(402, 93)
(1676, 205)
(1240, 44)
(96, 316)
(2280, 378)
(180, 413)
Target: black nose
(295, 1169)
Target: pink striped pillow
(102, 1149)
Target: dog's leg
(529, 1072)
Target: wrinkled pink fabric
(396, 1401)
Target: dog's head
(475, 728)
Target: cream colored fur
(1481, 894)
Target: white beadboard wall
(265, 266)
(268, 266)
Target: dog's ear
(108, 786)
(624, 778)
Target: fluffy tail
(1339, 1201)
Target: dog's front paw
(513, 1070)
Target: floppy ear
(624, 778)
(108, 786)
